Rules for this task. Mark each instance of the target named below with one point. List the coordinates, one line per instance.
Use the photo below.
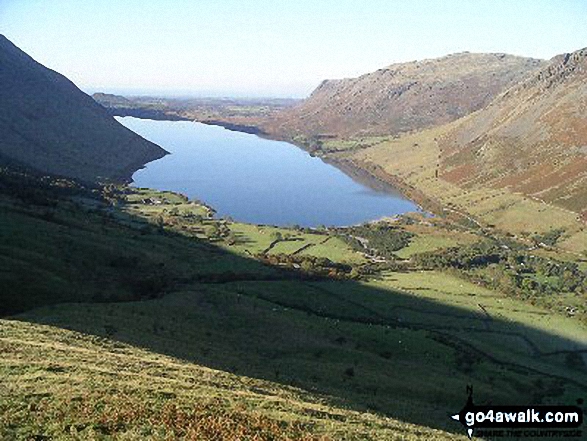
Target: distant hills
(117, 105)
(48, 124)
(239, 114)
(531, 138)
(136, 313)
(404, 97)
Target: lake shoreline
(378, 181)
(259, 180)
(373, 177)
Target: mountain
(48, 124)
(131, 313)
(531, 139)
(404, 97)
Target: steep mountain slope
(47, 123)
(531, 139)
(404, 97)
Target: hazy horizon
(183, 94)
(227, 48)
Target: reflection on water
(258, 180)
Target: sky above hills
(272, 48)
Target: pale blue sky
(272, 47)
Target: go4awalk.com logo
(520, 421)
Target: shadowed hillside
(153, 270)
(404, 97)
(48, 124)
(130, 313)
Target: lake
(257, 180)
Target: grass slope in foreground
(154, 271)
(60, 384)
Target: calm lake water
(257, 180)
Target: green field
(130, 318)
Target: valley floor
(208, 326)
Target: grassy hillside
(513, 156)
(531, 140)
(361, 331)
(117, 391)
(414, 163)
